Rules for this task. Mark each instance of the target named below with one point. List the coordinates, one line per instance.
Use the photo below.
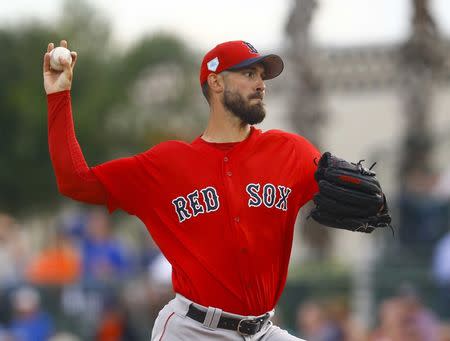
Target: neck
(224, 127)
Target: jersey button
(237, 219)
(244, 250)
(229, 173)
(225, 159)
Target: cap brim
(273, 65)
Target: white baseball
(55, 55)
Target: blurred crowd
(400, 318)
(83, 281)
(85, 278)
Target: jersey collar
(208, 146)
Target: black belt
(242, 326)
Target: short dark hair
(205, 91)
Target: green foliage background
(116, 113)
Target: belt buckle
(250, 323)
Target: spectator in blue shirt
(30, 322)
(104, 257)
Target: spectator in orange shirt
(57, 264)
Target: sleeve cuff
(58, 95)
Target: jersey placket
(229, 180)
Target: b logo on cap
(250, 47)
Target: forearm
(73, 176)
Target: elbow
(85, 194)
(67, 190)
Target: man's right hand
(55, 81)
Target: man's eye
(249, 73)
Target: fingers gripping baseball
(58, 68)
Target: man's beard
(248, 113)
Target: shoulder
(168, 148)
(285, 136)
(165, 154)
(293, 144)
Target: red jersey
(223, 217)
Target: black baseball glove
(349, 197)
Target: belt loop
(216, 318)
(208, 318)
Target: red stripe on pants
(165, 325)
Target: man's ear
(215, 83)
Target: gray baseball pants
(172, 324)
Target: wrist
(54, 91)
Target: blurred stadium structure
(383, 103)
(386, 104)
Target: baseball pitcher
(221, 208)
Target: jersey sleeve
(73, 176)
(126, 183)
(122, 183)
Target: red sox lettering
(269, 196)
(210, 198)
(190, 206)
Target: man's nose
(261, 86)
